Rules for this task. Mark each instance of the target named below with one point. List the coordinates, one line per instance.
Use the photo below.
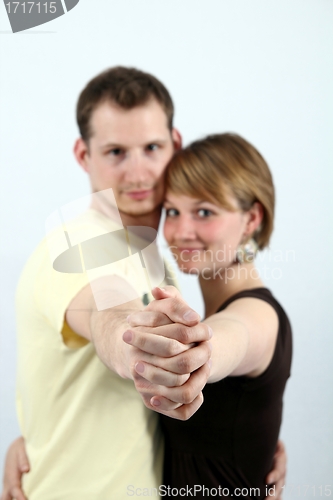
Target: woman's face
(202, 236)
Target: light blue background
(260, 68)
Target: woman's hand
(16, 465)
(171, 365)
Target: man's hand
(277, 476)
(16, 465)
(171, 366)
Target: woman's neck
(218, 287)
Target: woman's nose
(184, 228)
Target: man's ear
(176, 139)
(255, 216)
(81, 152)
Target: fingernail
(127, 336)
(210, 363)
(25, 468)
(128, 317)
(155, 402)
(140, 367)
(210, 345)
(210, 331)
(190, 316)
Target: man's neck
(151, 219)
(107, 207)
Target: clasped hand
(170, 354)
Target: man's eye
(204, 212)
(115, 152)
(171, 212)
(152, 147)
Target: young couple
(86, 432)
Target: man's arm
(277, 476)
(105, 329)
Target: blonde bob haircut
(221, 165)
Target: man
(87, 433)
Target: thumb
(175, 308)
(24, 462)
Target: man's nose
(137, 170)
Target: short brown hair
(222, 165)
(127, 88)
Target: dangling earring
(247, 251)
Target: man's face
(128, 152)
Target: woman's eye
(152, 147)
(171, 212)
(204, 212)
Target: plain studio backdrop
(261, 68)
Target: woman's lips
(139, 195)
(189, 250)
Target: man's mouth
(139, 194)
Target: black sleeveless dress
(230, 441)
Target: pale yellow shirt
(87, 432)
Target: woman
(219, 211)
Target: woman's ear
(176, 139)
(255, 216)
(81, 152)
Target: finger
(181, 333)
(14, 492)
(5, 496)
(162, 404)
(17, 493)
(279, 465)
(153, 344)
(159, 376)
(184, 394)
(23, 461)
(188, 392)
(183, 412)
(176, 309)
(279, 488)
(148, 318)
(183, 363)
(280, 448)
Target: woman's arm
(244, 338)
